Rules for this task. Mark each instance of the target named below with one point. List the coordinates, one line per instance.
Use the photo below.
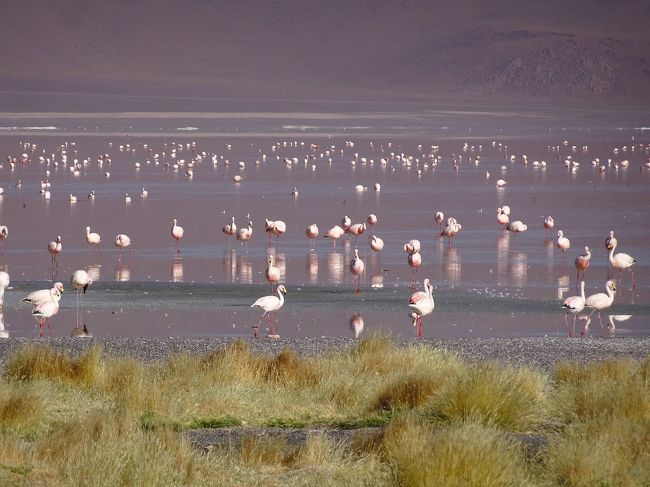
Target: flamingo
(502, 218)
(501, 183)
(581, 263)
(122, 241)
(562, 243)
(244, 234)
(177, 233)
(609, 243)
(45, 305)
(92, 238)
(356, 267)
(372, 221)
(4, 284)
(312, 233)
(356, 230)
(376, 243)
(412, 246)
(421, 303)
(270, 304)
(439, 218)
(415, 261)
(54, 248)
(574, 304)
(277, 228)
(272, 273)
(549, 223)
(506, 210)
(80, 282)
(599, 302)
(451, 230)
(516, 227)
(4, 233)
(230, 229)
(346, 223)
(334, 233)
(621, 262)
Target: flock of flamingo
(45, 302)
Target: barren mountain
(552, 49)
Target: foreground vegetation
(100, 420)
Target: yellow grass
(98, 420)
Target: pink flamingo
(376, 244)
(621, 262)
(277, 228)
(372, 221)
(502, 219)
(439, 218)
(581, 263)
(122, 242)
(312, 233)
(4, 233)
(270, 304)
(356, 267)
(244, 234)
(412, 246)
(549, 224)
(516, 227)
(80, 282)
(562, 243)
(177, 233)
(54, 248)
(272, 273)
(346, 223)
(415, 261)
(421, 303)
(451, 230)
(92, 238)
(574, 305)
(599, 302)
(334, 233)
(230, 229)
(609, 243)
(356, 230)
(46, 304)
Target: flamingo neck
(582, 290)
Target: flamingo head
(611, 285)
(282, 289)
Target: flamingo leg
(573, 332)
(566, 323)
(584, 328)
(601, 323)
(633, 279)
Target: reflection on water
(80, 332)
(3, 333)
(311, 266)
(177, 269)
(122, 272)
(229, 264)
(356, 324)
(244, 269)
(452, 265)
(280, 262)
(548, 245)
(503, 246)
(377, 281)
(519, 269)
(612, 319)
(237, 268)
(335, 267)
(94, 271)
(562, 286)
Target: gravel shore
(540, 352)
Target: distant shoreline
(538, 352)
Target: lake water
(486, 283)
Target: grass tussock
(19, 406)
(511, 399)
(463, 454)
(42, 362)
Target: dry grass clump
(19, 406)
(603, 451)
(42, 362)
(463, 454)
(493, 394)
(608, 389)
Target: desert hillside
(557, 49)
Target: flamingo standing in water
(46, 304)
(356, 267)
(4, 233)
(277, 228)
(312, 233)
(621, 262)
(122, 242)
(599, 302)
(502, 219)
(574, 305)
(562, 242)
(244, 234)
(4, 284)
(439, 218)
(346, 223)
(549, 224)
(270, 304)
(272, 273)
(177, 233)
(334, 233)
(80, 282)
(516, 227)
(421, 303)
(356, 230)
(230, 229)
(92, 238)
(609, 243)
(54, 248)
(415, 261)
(581, 263)
(372, 221)
(452, 229)
(376, 243)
